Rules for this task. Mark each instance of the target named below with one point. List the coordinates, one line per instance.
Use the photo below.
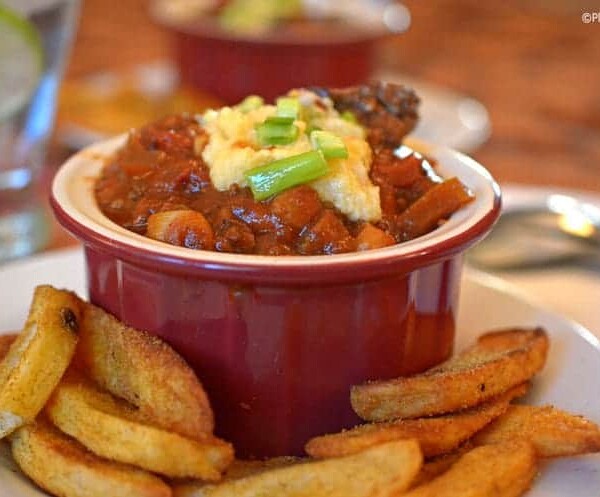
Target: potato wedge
(435, 467)
(498, 361)
(38, 357)
(5, 342)
(113, 429)
(499, 470)
(381, 471)
(63, 467)
(551, 431)
(436, 435)
(239, 468)
(145, 371)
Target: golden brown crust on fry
(240, 468)
(145, 371)
(382, 471)
(499, 470)
(435, 467)
(38, 357)
(497, 362)
(61, 466)
(113, 429)
(551, 431)
(436, 436)
(5, 342)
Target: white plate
(569, 381)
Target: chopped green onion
(251, 102)
(274, 133)
(332, 146)
(349, 116)
(273, 178)
(311, 127)
(288, 108)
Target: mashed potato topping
(233, 149)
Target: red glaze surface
(278, 361)
(231, 69)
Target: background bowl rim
(209, 30)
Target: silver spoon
(562, 230)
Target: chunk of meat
(235, 236)
(388, 110)
(327, 235)
(185, 228)
(370, 237)
(389, 169)
(297, 207)
(270, 244)
(438, 203)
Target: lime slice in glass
(21, 61)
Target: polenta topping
(246, 138)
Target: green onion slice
(288, 109)
(275, 133)
(251, 102)
(332, 146)
(349, 116)
(277, 176)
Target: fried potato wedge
(498, 361)
(499, 470)
(39, 356)
(145, 371)
(551, 431)
(435, 467)
(239, 468)
(5, 342)
(436, 435)
(112, 429)
(381, 471)
(63, 467)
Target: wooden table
(536, 68)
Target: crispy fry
(38, 357)
(381, 471)
(435, 467)
(436, 436)
(499, 470)
(63, 467)
(5, 342)
(498, 361)
(239, 468)
(551, 431)
(145, 371)
(114, 430)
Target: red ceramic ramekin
(231, 67)
(278, 341)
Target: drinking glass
(25, 130)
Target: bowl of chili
(278, 340)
